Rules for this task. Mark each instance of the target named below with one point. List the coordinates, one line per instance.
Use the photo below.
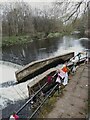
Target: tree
(17, 19)
(71, 10)
(75, 13)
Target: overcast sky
(27, 0)
(39, 3)
(37, 0)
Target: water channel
(13, 96)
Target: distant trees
(17, 19)
(75, 13)
(20, 19)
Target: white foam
(7, 73)
(11, 93)
(14, 92)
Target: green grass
(51, 35)
(14, 40)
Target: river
(13, 96)
(39, 49)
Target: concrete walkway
(74, 102)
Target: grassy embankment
(16, 40)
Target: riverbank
(20, 40)
(73, 103)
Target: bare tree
(68, 10)
(45, 21)
(17, 19)
(75, 13)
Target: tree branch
(79, 4)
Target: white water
(69, 46)
(10, 93)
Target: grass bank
(16, 40)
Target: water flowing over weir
(10, 91)
(15, 95)
(8, 79)
(12, 95)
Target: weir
(37, 67)
(36, 86)
(39, 81)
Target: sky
(28, 0)
(37, 3)
(46, 1)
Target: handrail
(43, 102)
(31, 98)
(45, 99)
(34, 95)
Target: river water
(39, 49)
(13, 96)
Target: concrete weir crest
(37, 67)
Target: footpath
(74, 102)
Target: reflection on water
(36, 50)
(85, 43)
(39, 49)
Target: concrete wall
(38, 82)
(37, 67)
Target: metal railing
(34, 95)
(31, 98)
(43, 101)
(37, 94)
